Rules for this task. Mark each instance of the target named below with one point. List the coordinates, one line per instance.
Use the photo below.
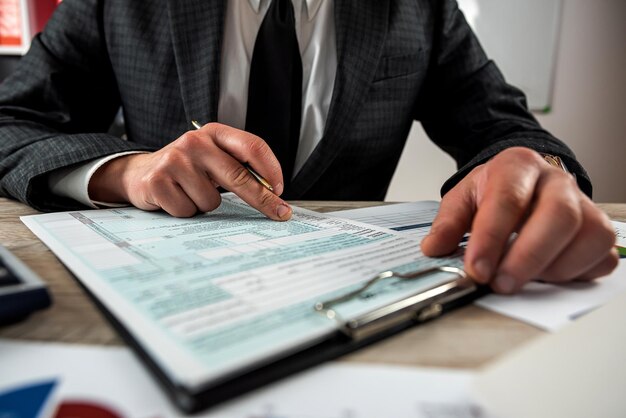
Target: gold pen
(256, 175)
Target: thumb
(453, 220)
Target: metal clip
(422, 306)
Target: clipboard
(352, 334)
(314, 303)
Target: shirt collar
(312, 6)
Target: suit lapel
(197, 28)
(361, 27)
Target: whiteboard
(521, 36)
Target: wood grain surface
(466, 338)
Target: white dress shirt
(315, 30)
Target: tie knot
(282, 11)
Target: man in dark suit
(367, 70)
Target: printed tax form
(214, 294)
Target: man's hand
(563, 236)
(182, 178)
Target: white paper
(113, 378)
(550, 307)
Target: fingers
(171, 198)
(565, 238)
(562, 235)
(168, 180)
(182, 177)
(248, 148)
(586, 256)
(224, 150)
(504, 190)
(200, 189)
(555, 221)
(230, 174)
(452, 221)
(603, 268)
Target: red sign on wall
(20, 20)
(11, 23)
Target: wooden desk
(465, 338)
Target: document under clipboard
(352, 334)
(366, 308)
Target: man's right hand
(182, 178)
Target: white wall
(588, 109)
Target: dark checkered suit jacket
(398, 60)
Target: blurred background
(569, 57)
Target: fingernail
(482, 267)
(505, 283)
(278, 189)
(283, 211)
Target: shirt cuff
(73, 182)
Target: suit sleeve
(56, 108)
(469, 110)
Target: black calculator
(21, 290)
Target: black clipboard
(352, 334)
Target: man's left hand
(562, 235)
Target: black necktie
(275, 85)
